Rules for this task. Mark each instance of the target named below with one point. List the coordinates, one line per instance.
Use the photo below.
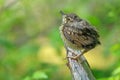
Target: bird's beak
(62, 13)
(64, 17)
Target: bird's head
(70, 18)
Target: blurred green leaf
(111, 78)
(27, 78)
(116, 71)
(39, 75)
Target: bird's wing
(88, 28)
(81, 36)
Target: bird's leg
(77, 56)
(73, 54)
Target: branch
(80, 69)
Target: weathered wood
(80, 68)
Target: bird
(78, 34)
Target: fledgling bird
(78, 34)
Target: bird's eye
(68, 19)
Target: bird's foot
(74, 57)
(77, 58)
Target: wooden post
(80, 68)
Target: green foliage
(26, 26)
(115, 75)
(116, 72)
(115, 49)
(38, 75)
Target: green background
(31, 47)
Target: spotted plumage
(78, 33)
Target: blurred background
(31, 47)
